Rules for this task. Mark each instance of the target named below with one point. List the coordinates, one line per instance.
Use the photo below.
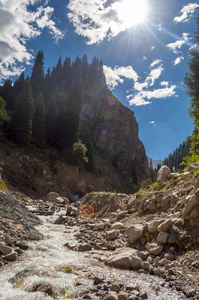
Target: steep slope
(114, 132)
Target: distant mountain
(155, 162)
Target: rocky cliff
(114, 131)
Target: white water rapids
(44, 259)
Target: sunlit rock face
(114, 131)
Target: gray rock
(84, 247)
(135, 232)
(117, 225)
(115, 287)
(162, 237)
(163, 173)
(123, 258)
(154, 249)
(111, 296)
(165, 225)
(150, 205)
(122, 214)
(54, 198)
(112, 235)
(153, 226)
(193, 167)
(12, 256)
(196, 184)
(145, 183)
(5, 249)
(193, 202)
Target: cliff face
(114, 132)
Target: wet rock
(123, 258)
(163, 173)
(84, 247)
(46, 288)
(12, 256)
(144, 295)
(154, 249)
(115, 287)
(135, 232)
(8, 240)
(112, 235)
(22, 245)
(5, 249)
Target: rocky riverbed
(141, 246)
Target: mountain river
(69, 272)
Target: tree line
(43, 110)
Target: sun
(132, 12)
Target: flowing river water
(69, 272)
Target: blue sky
(143, 44)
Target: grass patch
(3, 186)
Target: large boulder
(193, 202)
(163, 173)
(54, 198)
(125, 258)
(135, 232)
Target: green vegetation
(192, 82)
(3, 186)
(44, 111)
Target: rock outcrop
(114, 130)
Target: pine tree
(38, 128)
(20, 127)
(37, 77)
(51, 121)
(192, 82)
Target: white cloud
(155, 62)
(142, 90)
(144, 58)
(186, 12)
(142, 97)
(152, 122)
(185, 36)
(150, 80)
(117, 75)
(17, 25)
(174, 46)
(97, 19)
(178, 60)
(164, 83)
